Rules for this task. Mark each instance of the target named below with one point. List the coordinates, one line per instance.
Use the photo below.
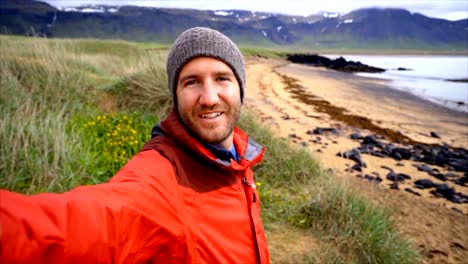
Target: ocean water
(427, 76)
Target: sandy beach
(296, 99)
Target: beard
(211, 133)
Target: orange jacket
(159, 208)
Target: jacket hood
(250, 152)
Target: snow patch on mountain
(223, 13)
(330, 15)
(92, 10)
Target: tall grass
(41, 84)
(55, 135)
(44, 85)
(146, 90)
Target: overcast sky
(447, 9)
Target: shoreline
(433, 225)
(345, 99)
(379, 91)
(444, 87)
(392, 52)
(433, 102)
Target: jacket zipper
(251, 185)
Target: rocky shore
(340, 64)
(391, 146)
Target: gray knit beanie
(197, 42)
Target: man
(188, 196)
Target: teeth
(211, 115)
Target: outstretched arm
(126, 220)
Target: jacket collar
(249, 151)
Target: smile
(211, 115)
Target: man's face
(208, 99)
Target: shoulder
(147, 166)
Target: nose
(209, 94)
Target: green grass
(73, 112)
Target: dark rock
(357, 167)
(443, 190)
(322, 130)
(394, 186)
(450, 175)
(436, 194)
(459, 198)
(412, 191)
(373, 179)
(424, 167)
(456, 199)
(403, 69)
(339, 64)
(371, 140)
(424, 184)
(392, 176)
(397, 156)
(401, 153)
(463, 196)
(440, 176)
(458, 80)
(404, 176)
(459, 164)
(434, 134)
(399, 164)
(452, 159)
(377, 154)
(354, 155)
(356, 136)
(462, 181)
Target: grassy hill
(74, 111)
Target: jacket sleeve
(130, 219)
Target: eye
(190, 82)
(223, 78)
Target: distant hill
(360, 29)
